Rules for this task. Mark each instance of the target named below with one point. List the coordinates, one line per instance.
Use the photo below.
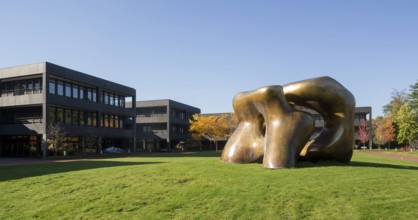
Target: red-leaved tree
(363, 132)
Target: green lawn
(199, 186)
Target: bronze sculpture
(273, 129)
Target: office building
(91, 111)
(162, 124)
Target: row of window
(21, 87)
(179, 128)
(110, 98)
(72, 116)
(84, 118)
(152, 112)
(29, 115)
(162, 128)
(72, 90)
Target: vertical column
(45, 111)
(44, 145)
(168, 126)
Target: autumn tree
(363, 132)
(408, 126)
(56, 137)
(213, 127)
(383, 131)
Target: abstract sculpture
(274, 129)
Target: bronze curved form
(271, 130)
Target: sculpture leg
(286, 130)
(336, 105)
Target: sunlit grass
(199, 186)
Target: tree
(408, 126)
(398, 99)
(383, 130)
(212, 127)
(56, 137)
(413, 97)
(363, 132)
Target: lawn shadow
(24, 171)
(307, 164)
(181, 154)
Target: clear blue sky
(204, 52)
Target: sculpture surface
(274, 129)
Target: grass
(199, 186)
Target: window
(121, 122)
(89, 94)
(81, 92)
(75, 117)
(68, 89)
(93, 119)
(29, 86)
(60, 115)
(67, 116)
(82, 118)
(37, 85)
(52, 114)
(116, 121)
(112, 101)
(112, 121)
(122, 102)
(106, 98)
(60, 88)
(94, 95)
(75, 91)
(106, 120)
(116, 100)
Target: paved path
(396, 156)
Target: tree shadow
(307, 164)
(19, 172)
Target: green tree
(397, 100)
(408, 126)
(413, 97)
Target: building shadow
(19, 172)
(180, 154)
(307, 164)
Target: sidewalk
(396, 156)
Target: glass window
(29, 86)
(94, 95)
(81, 118)
(112, 120)
(60, 88)
(122, 102)
(81, 92)
(106, 98)
(112, 100)
(37, 85)
(75, 117)
(67, 116)
(116, 121)
(52, 114)
(93, 119)
(106, 120)
(121, 120)
(52, 86)
(68, 89)
(116, 100)
(75, 91)
(89, 94)
(60, 115)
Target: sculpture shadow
(307, 164)
(23, 171)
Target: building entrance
(20, 146)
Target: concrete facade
(36, 95)
(162, 124)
